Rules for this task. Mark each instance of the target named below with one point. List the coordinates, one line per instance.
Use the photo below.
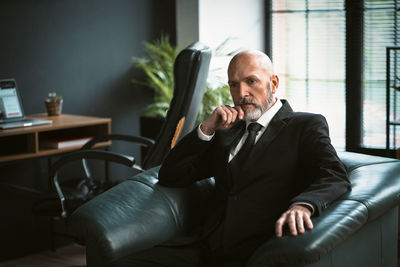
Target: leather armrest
(377, 186)
(335, 225)
(134, 215)
(129, 217)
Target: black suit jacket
(292, 161)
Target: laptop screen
(10, 106)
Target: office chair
(190, 76)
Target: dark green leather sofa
(359, 229)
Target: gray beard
(259, 109)
(255, 114)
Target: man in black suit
(279, 172)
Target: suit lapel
(231, 136)
(226, 140)
(277, 124)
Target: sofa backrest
(375, 181)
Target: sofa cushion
(377, 186)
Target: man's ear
(275, 83)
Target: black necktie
(244, 152)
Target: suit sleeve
(326, 177)
(187, 162)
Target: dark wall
(82, 50)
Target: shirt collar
(267, 116)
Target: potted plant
(53, 104)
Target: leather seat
(359, 229)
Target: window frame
(353, 74)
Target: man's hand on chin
(297, 218)
(222, 118)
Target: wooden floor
(69, 256)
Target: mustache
(243, 101)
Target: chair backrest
(190, 78)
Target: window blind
(308, 51)
(380, 30)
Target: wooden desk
(22, 143)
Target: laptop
(11, 111)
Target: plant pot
(54, 108)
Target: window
(308, 51)
(381, 29)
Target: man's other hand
(222, 118)
(297, 218)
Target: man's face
(252, 85)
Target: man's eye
(251, 81)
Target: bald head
(256, 57)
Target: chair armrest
(143, 141)
(134, 215)
(84, 154)
(92, 154)
(335, 225)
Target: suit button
(234, 197)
